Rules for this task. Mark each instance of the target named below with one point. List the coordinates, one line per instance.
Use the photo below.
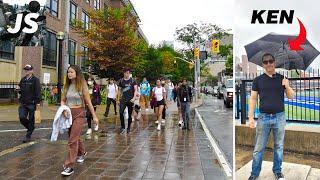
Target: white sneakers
(157, 122)
(89, 131)
(159, 127)
(163, 121)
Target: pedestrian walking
(145, 89)
(164, 112)
(30, 98)
(159, 93)
(136, 114)
(111, 94)
(185, 99)
(76, 96)
(170, 90)
(270, 87)
(94, 91)
(176, 99)
(128, 88)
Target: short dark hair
(268, 54)
(126, 69)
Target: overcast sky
(160, 18)
(245, 32)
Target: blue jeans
(265, 124)
(185, 111)
(26, 116)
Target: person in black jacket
(185, 99)
(30, 97)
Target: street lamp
(60, 38)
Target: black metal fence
(9, 92)
(304, 107)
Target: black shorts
(159, 103)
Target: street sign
(215, 46)
(46, 78)
(196, 53)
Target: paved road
(144, 154)
(219, 121)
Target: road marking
(16, 148)
(221, 158)
(19, 130)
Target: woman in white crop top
(159, 93)
(76, 96)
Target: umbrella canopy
(276, 44)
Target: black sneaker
(105, 115)
(252, 177)
(279, 176)
(26, 140)
(122, 131)
(67, 171)
(128, 131)
(80, 159)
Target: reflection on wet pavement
(143, 154)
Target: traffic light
(196, 53)
(215, 46)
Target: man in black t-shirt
(128, 88)
(185, 99)
(270, 87)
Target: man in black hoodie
(185, 99)
(30, 97)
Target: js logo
(27, 22)
(278, 17)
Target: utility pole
(195, 69)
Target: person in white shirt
(112, 94)
(159, 93)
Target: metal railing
(9, 93)
(304, 107)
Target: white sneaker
(163, 121)
(96, 127)
(157, 121)
(147, 109)
(89, 131)
(159, 127)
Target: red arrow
(295, 44)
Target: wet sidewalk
(144, 154)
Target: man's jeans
(185, 111)
(267, 123)
(26, 116)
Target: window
(96, 4)
(73, 12)
(6, 50)
(84, 58)
(72, 52)
(52, 6)
(50, 50)
(85, 20)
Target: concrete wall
(295, 141)
(7, 71)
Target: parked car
(228, 90)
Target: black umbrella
(276, 44)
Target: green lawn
(300, 113)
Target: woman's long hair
(80, 81)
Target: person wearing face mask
(94, 91)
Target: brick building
(45, 58)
